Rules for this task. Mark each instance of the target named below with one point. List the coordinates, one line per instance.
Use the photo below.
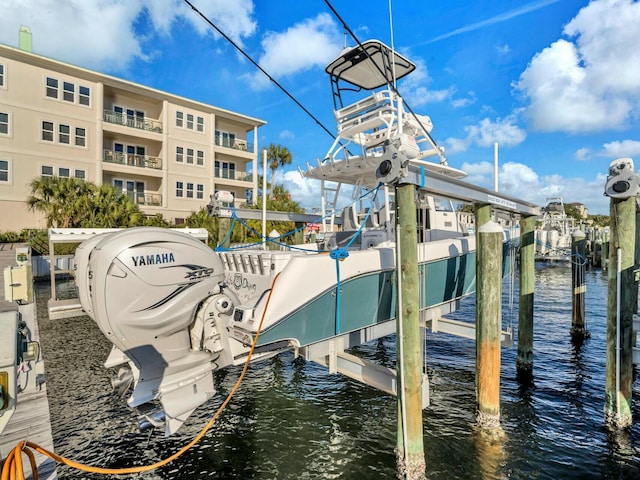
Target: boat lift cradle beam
(455, 189)
(330, 353)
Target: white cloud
(521, 181)
(582, 154)
(624, 148)
(414, 90)
(286, 135)
(311, 43)
(104, 35)
(591, 83)
(486, 133)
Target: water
(292, 420)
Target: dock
(31, 420)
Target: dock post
(488, 317)
(524, 361)
(604, 252)
(411, 461)
(578, 261)
(619, 370)
(636, 261)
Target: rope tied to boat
(12, 467)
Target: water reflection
(292, 420)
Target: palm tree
(71, 202)
(277, 156)
(63, 201)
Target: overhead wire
(257, 65)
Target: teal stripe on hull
(370, 299)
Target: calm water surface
(292, 420)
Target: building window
(179, 221)
(63, 172)
(63, 134)
(225, 139)
(190, 121)
(179, 154)
(189, 190)
(179, 119)
(47, 131)
(52, 87)
(200, 191)
(4, 170)
(179, 189)
(80, 174)
(225, 170)
(1, 75)
(84, 95)
(46, 171)
(200, 124)
(190, 155)
(4, 123)
(68, 93)
(200, 159)
(81, 137)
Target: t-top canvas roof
(369, 65)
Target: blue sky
(555, 82)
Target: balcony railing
(142, 161)
(145, 123)
(146, 199)
(232, 174)
(235, 143)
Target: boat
(175, 310)
(553, 237)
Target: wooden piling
(604, 252)
(411, 462)
(488, 318)
(524, 361)
(619, 367)
(636, 262)
(578, 261)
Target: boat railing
(374, 111)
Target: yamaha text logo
(160, 258)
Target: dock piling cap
(490, 227)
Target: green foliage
(600, 220)
(73, 203)
(277, 156)
(13, 237)
(157, 221)
(573, 212)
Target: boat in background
(175, 310)
(553, 236)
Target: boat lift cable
(257, 65)
(443, 159)
(12, 467)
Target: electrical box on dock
(18, 284)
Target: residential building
(582, 210)
(168, 153)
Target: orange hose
(13, 463)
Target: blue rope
(340, 254)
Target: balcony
(235, 143)
(231, 174)
(146, 199)
(148, 124)
(141, 161)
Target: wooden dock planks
(31, 420)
